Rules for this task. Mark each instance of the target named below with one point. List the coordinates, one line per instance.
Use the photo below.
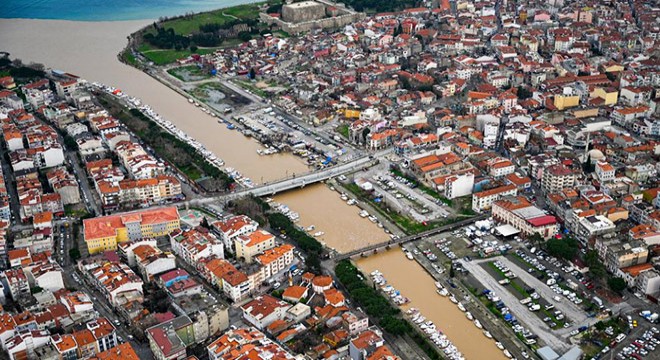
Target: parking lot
(643, 345)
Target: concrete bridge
(373, 249)
(301, 181)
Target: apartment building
(256, 242)
(195, 245)
(483, 200)
(233, 227)
(103, 233)
(557, 177)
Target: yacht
(453, 299)
(488, 334)
(499, 345)
(319, 233)
(364, 213)
(461, 307)
(478, 324)
(469, 316)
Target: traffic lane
(105, 311)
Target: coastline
(115, 11)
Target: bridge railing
(409, 238)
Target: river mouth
(90, 51)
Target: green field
(189, 24)
(189, 73)
(162, 57)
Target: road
(533, 322)
(287, 184)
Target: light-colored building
(557, 177)
(263, 310)
(522, 215)
(256, 242)
(459, 185)
(231, 228)
(483, 200)
(246, 343)
(103, 233)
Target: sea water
(107, 10)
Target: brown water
(344, 229)
(89, 50)
(399, 271)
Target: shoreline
(155, 11)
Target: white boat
(438, 285)
(344, 197)
(499, 345)
(351, 202)
(409, 255)
(478, 324)
(488, 334)
(319, 233)
(364, 213)
(507, 353)
(453, 299)
(469, 316)
(373, 219)
(443, 292)
(190, 100)
(461, 307)
(310, 228)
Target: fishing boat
(364, 213)
(373, 219)
(438, 285)
(499, 345)
(461, 307)
(319, 233)
(453, 299)
(488, 334)
(507, 354)
(310, 228)
(469, 316)
(477, 323)
(409, 255)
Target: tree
(588, 167)
(523, 93)
(193, 48)
(74, 254)
(596, 267)
(564, 248)
(252, 75)
(365, 133)
(398, 30)
(616, 284)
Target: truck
(598, 301)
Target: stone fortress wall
(310, 15)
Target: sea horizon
(113, 10)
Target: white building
(484, 199)
(604, 171)
(263, 310)
(459, 185)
